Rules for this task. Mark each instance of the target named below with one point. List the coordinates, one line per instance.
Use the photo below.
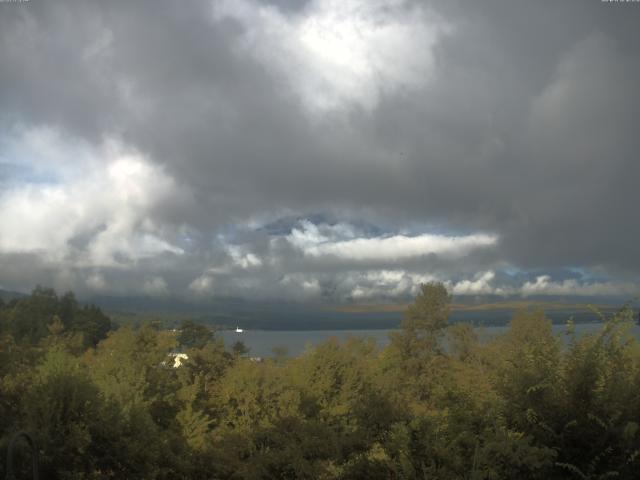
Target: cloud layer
(336, 150)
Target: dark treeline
(110, 403)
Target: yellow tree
(415, 354)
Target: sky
(321, 150)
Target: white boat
(239, 330)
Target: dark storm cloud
(524, 126)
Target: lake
(262, 342)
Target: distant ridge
(7, 295)
(511, 305)
(226, 313)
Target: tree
(424, 322)
(280, 352)
(28, 319)
(239, 348)
(430, 310)
(91, 323)
(415, 356)
(194, 335)
(463, 341)
(29, 316)
(65, 411)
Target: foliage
(29, 319)
(436, 403)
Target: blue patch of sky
(433, 228)
(234, 233)
(556, 274)
(231, 234)
(565, 273)
(22, 166)
(581, 273)
(282, 226)
(512, 271)
(186, 240)
(285, 225)
(12, 173)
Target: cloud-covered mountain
(324, 150)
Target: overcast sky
(334, 150)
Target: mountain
(7, 295)
(278, 315)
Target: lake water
(262, 342)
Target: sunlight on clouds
(297, 266)
(544, 285)
(243, 259)
(96, 282)
(313, 243)
(379, 284)
(89, 224)
(44, 154)
(385, 284)
(156, 286)
(107, 206)
(37, 219)
(481, 285)
(369, 267)
(202, 285)
(302, 286)
(337, 51)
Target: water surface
(262, 342)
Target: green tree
(29, 316)
(424, 323)
(239, 348)
(91, 323)
(64, 410)
(194, 335)
(415, 357)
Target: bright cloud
(97, 283)
(101, 218)
(242, 258)
(313, 243)
(340, 51)
(544, 285)
(338, 262)
(156, 286)
(202, 285)
(481, 285)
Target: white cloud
(96, 282)
(382, 284)
(45, 155)
(100, 220)
(306, 279)
(379, 284)
(242, 258)
(481, 285)
(37, 219)
(155, 286)
(300, 286)
(107, 206)
(313, 243)
(369, 268)
(340, 50)
(202, 285)
(544, 285)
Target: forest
(105, 402)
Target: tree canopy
(435, 403)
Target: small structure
(178, 359)
(239, 330)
